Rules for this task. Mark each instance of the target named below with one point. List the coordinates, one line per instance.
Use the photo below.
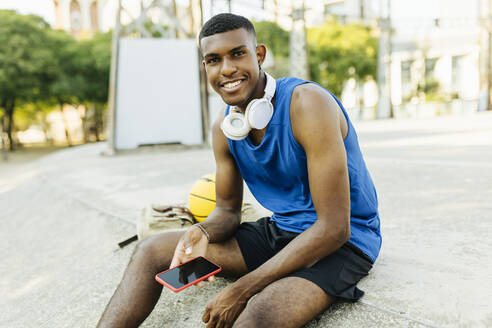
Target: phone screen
(188, 272)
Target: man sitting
(294, 145)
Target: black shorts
(337, 274)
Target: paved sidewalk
(62, 216)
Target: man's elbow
(344, 233)
(341, 232)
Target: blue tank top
(276, 174)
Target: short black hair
(225, 22)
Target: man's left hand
(223, 310)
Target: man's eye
(238, 53)
(212, 60)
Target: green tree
(274, 37)
(338, 52)
(42, 69)
(34, 113)
(81, 76)
(95, 62)
(60, 84)
(64, 80)
(23, 59)
(277, 41)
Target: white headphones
(236, 126)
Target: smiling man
(293, 144)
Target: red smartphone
(187, 274)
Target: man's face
(232, 60)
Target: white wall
(158, 95)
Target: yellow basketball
(202, 197)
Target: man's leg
(138, 292)
(288, 302)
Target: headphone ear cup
(248, 110)
(235, 126)
(258, 113)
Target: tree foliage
(276, 39)
(42, 68)
(95, 55)
(65, 80)
(95, 60)
(336, 52)
(23, 61)
(339, 52)
(23, 54)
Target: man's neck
(259, 91)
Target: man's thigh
(287, 302)
(226, 254)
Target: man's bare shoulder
(313, 109)
(310, 99)
(219, 141)
(219, 119)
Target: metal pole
(384, 109)
(484, 61)
(275, 3)
(361, 6)
(488, 60)
(2, 136)
(388, 66)
(192, 20)
(111, 129)
(175, 12)
(489, 49)
(203, 90)
(298, 47)
(200, 7)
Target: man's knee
(144, 251)
(154, 252)
(289, 302)
(259, 313)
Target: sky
(43, 8)
(403, 11)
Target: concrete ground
(62, 216)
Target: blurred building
(79, 17)
(435, 52)
(437, 48)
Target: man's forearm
(222, 223)
(309, 247)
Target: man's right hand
(192, 244)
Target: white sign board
(157, 93)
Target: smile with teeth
(231, 85)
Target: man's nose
(228, 67)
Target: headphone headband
(258, 113)
(270, 87)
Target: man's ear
(260, 53)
